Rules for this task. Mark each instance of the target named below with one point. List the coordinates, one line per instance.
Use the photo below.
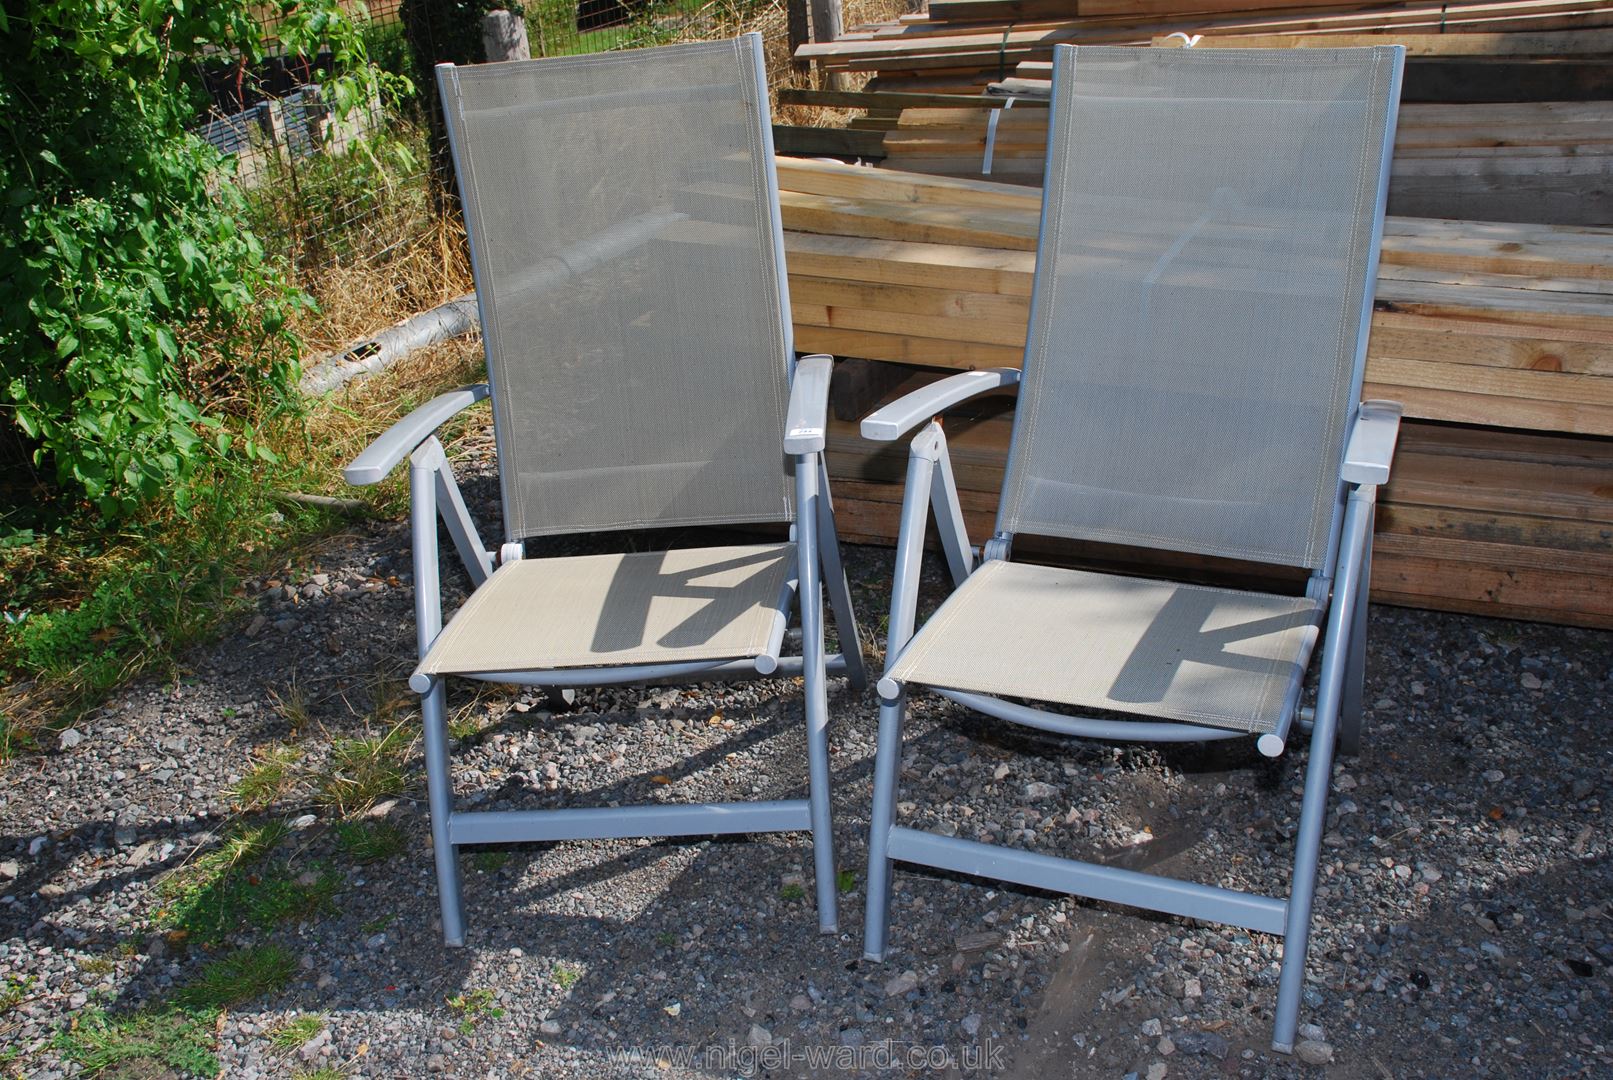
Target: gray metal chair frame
(1336, 719)
(817, 568)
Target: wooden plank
(931, 307)
(885, 99)
(941, 266)
(894, 221)
(1010, 334)
(1494, 579)
(1498, 345)
(928, 352)
(839, 142)
(889, 185)
(1582, 42)
(1471, 408)
(1555, 387)
(1493, 79)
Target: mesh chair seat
(600, 610)
(1218, 657)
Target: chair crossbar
(1089, 727)
(1091, 880)
(787, 667)
(622, 822)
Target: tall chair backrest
(628, 254)
(1203, 290)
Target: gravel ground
(1462, 928)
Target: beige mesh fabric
(1200, 288)
(1218, 657)
(622, 228)
(600, 610)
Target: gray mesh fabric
(598, 610)
(1219, 657)
(624, 245)
(1199, 302)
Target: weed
(324, 1072)
(294, 707)
(846, 881)
(474, 1006)
(489, 860)
(239, 977)
(272, 778)
(466, 723)
(231, 887)
(370, 843)
(296, 1031)
(792, 892)
(14, 992)
(14, 738)
(365, 770)
(151, 1042)
(98, 965)
(666, 939)
(566, 975)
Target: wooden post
(795, 21)
(826, 26)
(504, 37)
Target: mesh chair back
(622, 212)
(1203, 286)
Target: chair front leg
(424, 466)
(881, 869)
(921, 463)
(440, 798)
(1319, 770)
(814, 679)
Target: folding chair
(627, 247)
(1191, 382)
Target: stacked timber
(1507, 326)
(1549, 162)
(962, 43)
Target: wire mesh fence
(569, 27)
(326, 190)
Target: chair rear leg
(1302, 895)
(887, 771)
(1352, 715)
(837, 586)
(440, 796)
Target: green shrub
(141, 328)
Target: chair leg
(1352, 709)
(1302, 894)
(887, 772)
(838, 588)
(823, 848)
(815, 686)
(440, 796)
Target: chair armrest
(399, 441)
(910, 410)
(1372, 443)
(808, 415)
